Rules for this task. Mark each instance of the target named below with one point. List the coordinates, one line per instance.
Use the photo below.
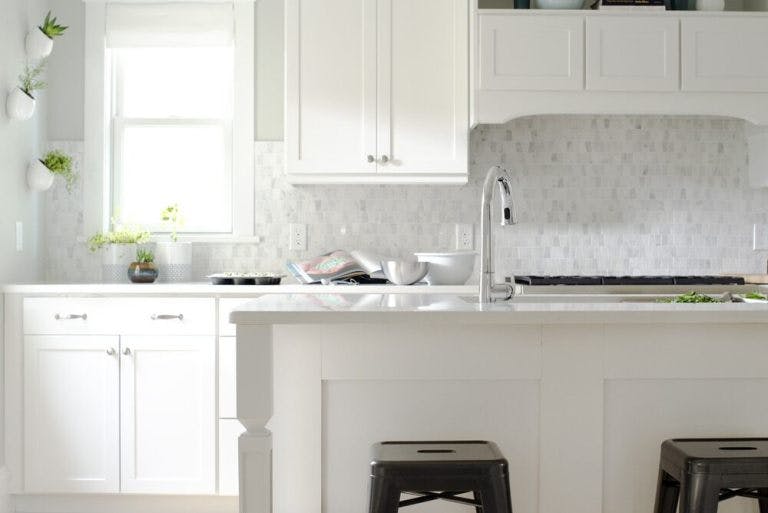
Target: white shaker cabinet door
(633, 53)
(535, 53)
(168, 414)
(423, 86)
(725, 54)
(71, 403)
(330, 86)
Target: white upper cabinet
(531, 53)
(725, 54)
(633, 54)
(377, 91)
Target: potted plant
(174, 258)
(41, 172)
(39, 43)
(119, 248)
(143, 270)
(21, 101)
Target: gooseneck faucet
(489, 290)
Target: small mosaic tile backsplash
(595, 195)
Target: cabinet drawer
(637, 54)
(531, 53)
(225, 308)
(68, 316)
(123, 316)
(725, 54)
(167, 316)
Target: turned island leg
(254, 410)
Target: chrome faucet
(489, 290)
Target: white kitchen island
(578, 394)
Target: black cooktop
(628, 280)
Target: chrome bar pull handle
(167, 317)
(68, 317)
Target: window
(169, 115)
(172, 135)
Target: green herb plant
(60, 164)
(50, 28)
(172, 216)
(756, 295)
(29, 80)
(118, 235)
(690, 297)
(144, 256)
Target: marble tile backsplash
(595, 195)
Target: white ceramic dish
(448, 268)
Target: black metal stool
(702, 472)
(439, 470)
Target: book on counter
(339, 267)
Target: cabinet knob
(370, 158)
(167, 317)
(111, 351)
(67, 317)
(127, 351)
(384, 159)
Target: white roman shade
(169, 24)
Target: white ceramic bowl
(449, 268)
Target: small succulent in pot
(143, 270)
(39, 43)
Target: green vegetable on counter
(756, 295)
(690, 297)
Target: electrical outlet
(19, 236)
(759, 237)
(465, 236)
(298, 237)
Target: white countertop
(206, 289)
(452, 308)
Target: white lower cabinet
(168, 414)
(71, 389)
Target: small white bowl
(448, 268)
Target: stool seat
(443, 470)
(701, 472)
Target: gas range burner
(628, 280)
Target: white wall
(20, 141)
(65, 122)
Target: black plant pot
(142, 273)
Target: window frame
(97, 176)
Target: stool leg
(385, 497)
(763, 502)
(667, 493)
(698, 496)
(495, 496)
(479, 498)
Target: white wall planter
(174, 262)
(38, 45)
(20, 105)
(39, 177)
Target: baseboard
(92, 503)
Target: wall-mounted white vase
(710, 5)
(39, 177)
(38, 45)
(20, 105)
